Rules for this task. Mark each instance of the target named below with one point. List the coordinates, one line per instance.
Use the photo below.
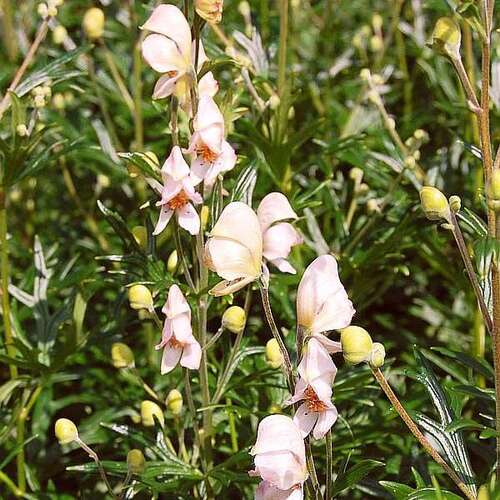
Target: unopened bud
(446, 37)
(149, 412)
(172, 262)
(140, 297)
(410, 162)
(483, 493)
(356, 174)
(122, 356)
(22, 130)
(493, 190)
(377, 22)
(377, 356)
(364, 74)
(434, 203)
(274, 102)
(59, 34)
(244, 9)
(58, 101)
(140, 234)
(174, 402)
(274, 357)
(39, 101)
(65, 431)
(363, 188)
(356, 344)
(372, 206)
(455, 203)
(376, 43)
(43, 10)
(136, 462)
(210, 10)
(93, 23)
(234, 319)
(421, 135)
(204, 215)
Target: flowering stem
(329, 465)
(180, 253)
(287, 364)
(418, 434)
(282, 55)
(459, 238)
(312, 470)
(40, 35)
(92, 454)
(214, 339)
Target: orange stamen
(313, 402)
(178, 201)
(206, 153)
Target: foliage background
(403, 274)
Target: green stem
(312, 471)
(329, 465)
(10, 484)
(5, 267)
(282, 54)
(9, 33)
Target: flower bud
(149, 412)
(274, 102)
(58, 101)
(483, 493)
(65, 431)
(43, 10)
(455, 203)
(172, 262)
(274, 357)
(446, 37)
(356, 344)
(210, 10)
(140, 234)
(22, 130)
(377, 355)
(372, 206)
(365, 74)
(376, 43)
(174, 402)
(136, 462)
(93, 23)
(410, 162)
(122, 356)
(356, 174)
(204, 215)
(493, 190)
(234, 319)
(59, 34)
(434, 203)
(140, 297)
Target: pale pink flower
(279, 453)
(178, 342)
(176, 193)
(213, 155)
(170, 51)
(234, 248)
(266, 491)
(322, 302)
(278, 237)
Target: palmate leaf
(451, 442)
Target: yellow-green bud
(22, 130)
(210, 10)
(274, 102)
(149, 412)
(274, 357)
(377, 356)
(434, 203)
(365, 74)
(204, 216)
(140, 234)
(446, 37)
(93, 23)
(122, 356)
(172, 261)
(136, 462)
(455, 203)
(377, 22)
(140, 297)
(174, 402)
(372, 206)
(376, 43)
(493, 190)
(483, 493)
(59, 34)
(58, 101)
(356, 344)
(234, 319)
(356, 174)
(65, 431)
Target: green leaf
(399, 490)
(354, 475)
(143, 163)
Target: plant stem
(312, 470)
(93, 455)
(5, 267)
(418, 434)
(40, 35)
(287, 364)
(459, 239)
(329, 465)
(9, 33)
(11, 485)
(282, 54)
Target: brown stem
(418, 433)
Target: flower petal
(165, 216)
(162, 55)
(175, 165)
(208, 85)
(274, 207)
(279, 239)
(281, 468)
(191, 355)
(176, 303)
(165, 86)
(305, 419)
(226, 287)
(267, 491)
(229, 259)
(325, 421)
(189, 219)
(170, 358)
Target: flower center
(313, 402)
(206, 153)
(171, 74)
(178, 201)
(175, 344)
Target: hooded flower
(169, 50)
(213, 155)
(322, 302)
(279, 454)
(177, 340)
(176, 193)
(234, 248)
(278, 239)
(266, 491)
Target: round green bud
(93, 23)
(446, 37)
(234, 319)
(455, 203)
(377, 356)
(149, 412)
(136, 462)
(274, 357)
(65, 431)
(356, 174)
(493, 190)
(122, 356)
(140, 234)
(356, 344)
(174, 402)
(140, 297)
(434, 203)
(173, 260)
